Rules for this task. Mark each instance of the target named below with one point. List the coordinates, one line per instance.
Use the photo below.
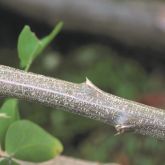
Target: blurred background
(118, 45)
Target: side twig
(84, 99)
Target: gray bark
(84, 99)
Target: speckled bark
(84, 99)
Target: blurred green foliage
(89, 139)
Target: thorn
(116, 134)
(88, 82)
(122, 128)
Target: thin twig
(84, 99)
(64, 160)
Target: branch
(134, 23)
(84, 99)
(64, 160)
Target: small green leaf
(29, 46)
(27, 141)
(10, 109)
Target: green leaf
(27, 141)
(29, 46)
(9, 108)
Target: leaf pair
(25, 140)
